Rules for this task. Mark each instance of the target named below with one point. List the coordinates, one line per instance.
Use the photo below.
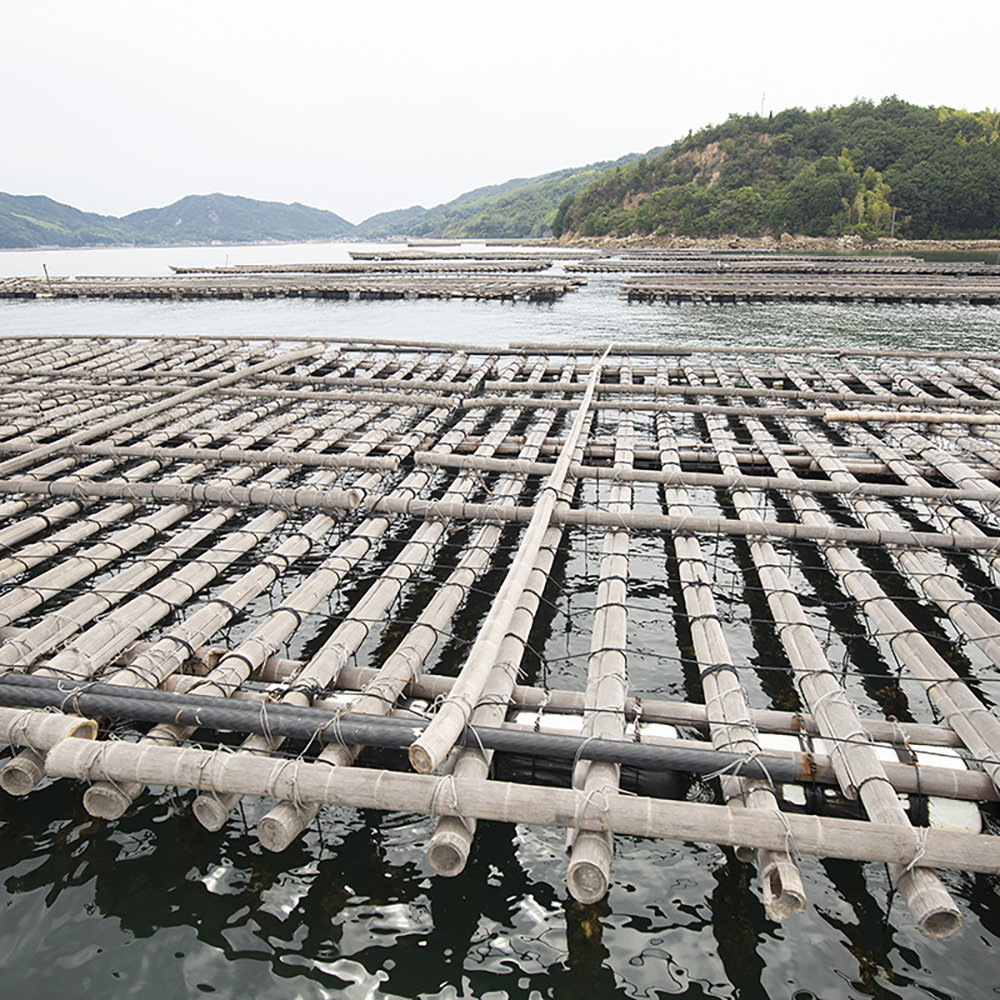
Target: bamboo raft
(468, 283)
(723, 265)
(420, 266)
(466, 253)
(341, 573)
(870, 288)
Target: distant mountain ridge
(230, 219)
(34, 220)
(520, 207)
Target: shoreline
(840, 244)
(812, 244)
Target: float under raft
(746, 597)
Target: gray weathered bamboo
(725, 705)
(285, 822)
(857, 765)
(591, 853)
(436, 741)
(299, 781)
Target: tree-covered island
(866, 169)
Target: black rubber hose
(93, 698)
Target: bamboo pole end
(421, 760)
(781, 881)
(105, 801)
(211, 813)
(448, 850)
(22, 774)
(283, 824)
(934, 912)
(83, 729)
(941, 924)
(587, 881)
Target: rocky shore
(842, 244)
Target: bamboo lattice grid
(736, 542)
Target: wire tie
(921, 849)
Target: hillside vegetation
(816, 173)
(866, 169)
(522, 207)
(230, 219)
(35, 221)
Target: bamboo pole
(856, 763)
(487, 402)
(299, 781)
(922, 778)
(436, 742)
(263, 456)
(589, 873)
(900, 417)
(700, 525)
(646, 452)
(41, 731)
(395, 730)
(316, 395)
(302, 497)
(628, 349)
(725, 705)
(388, 382)
(278, 670)
(738, 392)
(449, 847)
(287, 820)
(984, 492)
(108, 800)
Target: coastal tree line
(865, 169)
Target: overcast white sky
(362, 107)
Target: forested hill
(34, 221)
(817, 173)
(519, 207)
(516, 208)
(231, 219)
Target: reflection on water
(153, 904)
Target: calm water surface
(155, 906)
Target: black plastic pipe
(93, 698)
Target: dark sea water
(154, 906)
